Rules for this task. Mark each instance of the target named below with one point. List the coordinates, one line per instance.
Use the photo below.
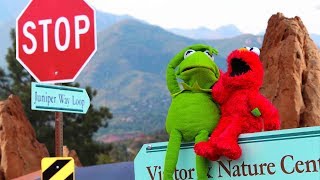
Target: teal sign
(46, 97)
(286, 154)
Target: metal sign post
(59, 134)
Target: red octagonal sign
(56, 39)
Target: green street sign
(286, 154)
(46, 97)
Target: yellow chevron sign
(57, 168)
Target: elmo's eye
(188, 53)
(255, 50)
(248, 48)
(208, 54)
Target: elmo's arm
(218, 91)
(269, 113)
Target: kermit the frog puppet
(192, 114)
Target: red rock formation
(292, 77)
(21, 153)
(73, 154)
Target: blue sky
(250, 16)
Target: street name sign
(285, 154)
(46, 97)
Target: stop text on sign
(58, 35)
(61, 24)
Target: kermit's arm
(263, 108)
(172, 82)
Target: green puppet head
(198, 67)
(195, 66)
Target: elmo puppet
(243, 108)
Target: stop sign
(55, 39)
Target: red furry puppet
(243, 108)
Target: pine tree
(78, 129)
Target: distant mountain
(128, 71)
(222, 32)
(105, 20)
(225, 46)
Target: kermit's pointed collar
(195, 88)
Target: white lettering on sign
(79, 31)
(45, 23)
(30, 36)
(62, 21)
(56, 33)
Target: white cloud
(250, 16)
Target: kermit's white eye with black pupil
(208, 54)
(188, 53)
(255, 50)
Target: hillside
(128, 71)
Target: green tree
(78, 129)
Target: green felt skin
(256, 112)
(192, 114)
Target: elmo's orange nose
(243, 49)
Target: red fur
(237, 96)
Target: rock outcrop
(73, 154)
(21, 153)
(292, 72)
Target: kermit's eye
(188, 53)
(209, 55)
(255, 50)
